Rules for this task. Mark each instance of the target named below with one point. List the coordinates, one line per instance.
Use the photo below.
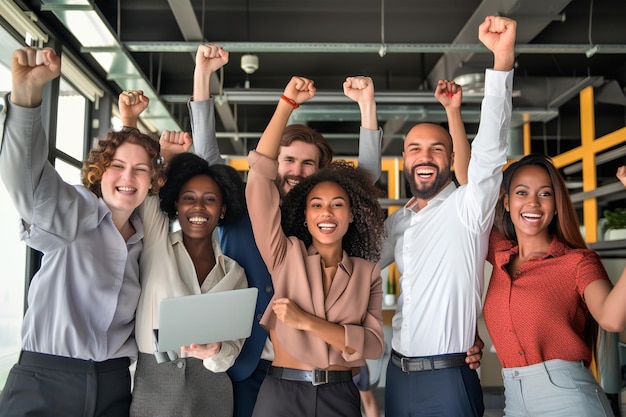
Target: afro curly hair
(185, 166)
(364, 236)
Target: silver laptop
(205, 318)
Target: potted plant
(615, 226)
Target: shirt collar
(440, 196)
(345, 264)
(177, 239)
(557, 248)
(135, 220)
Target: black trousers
(47, 385)
(282, 398)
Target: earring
(305, 224)
(221, 216)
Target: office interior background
(569, 92)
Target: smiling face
(328, 214)
(199, 206)
(530, 201)
(296, 162)
(427, 160)
(126, 182)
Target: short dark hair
(185, 166)
(364, 236)
(306, 134)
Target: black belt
(315, 376)
(427, 363)
(63, 363)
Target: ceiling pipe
(374, 48)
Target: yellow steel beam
(587, 138)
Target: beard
(281, 183)
(426, 191)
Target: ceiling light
(249, 63)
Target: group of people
(309, 233)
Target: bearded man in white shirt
(439, 243)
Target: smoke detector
(249, 63)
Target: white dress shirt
(440, 250)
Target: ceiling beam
(186, 19)
(192, 32)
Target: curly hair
(306, 134)
(99, 159)
(364, 236)
(185, 166)
(564, 225)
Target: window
(12, 278)
(69, 173)
(71, 121)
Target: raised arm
(606, 304)
(31, 70)
(361, 90)
(489, 147)
(450, 95)
(23, 145)
(297, 91)
(209, 59)
(498, 35)
(131, 104)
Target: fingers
(359, 83)
(177, 138)
(31, 70)
(210, 51)
(211, 56)
(621, 174)
(447, 87)
(302, 84)
(33, 57)
(299, 89)
(132, 97)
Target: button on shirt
(440, 250)
(540, 313)
(82, 301)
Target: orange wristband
(291, 102)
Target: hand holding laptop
(201, 322)
(202, 351)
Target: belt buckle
(316, 377)
(411, 364)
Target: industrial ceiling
(404, 45)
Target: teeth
(425, 171)
(293, 182)
(531, 215)
(126, 189)
(197, 220)
(326, 226)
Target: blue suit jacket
(237, 242)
